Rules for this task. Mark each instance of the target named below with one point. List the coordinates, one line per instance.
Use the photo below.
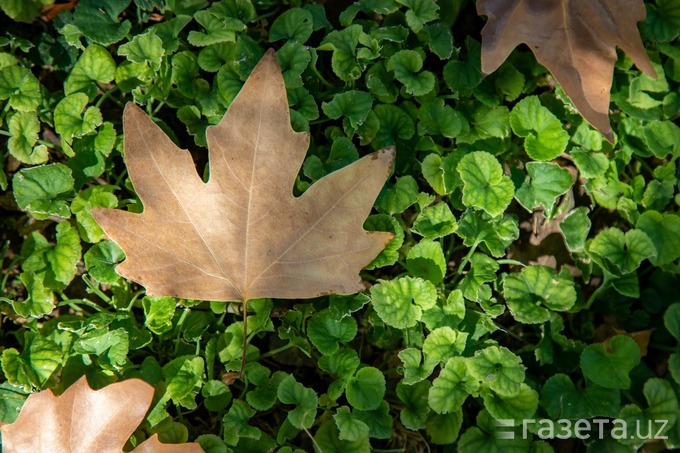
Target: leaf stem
(605, 285)
(273, 352)
(180, 322)
(317, 447)
(245, 337)
(105, 95)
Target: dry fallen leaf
(243, 235)
(575, 39)
(82, 420)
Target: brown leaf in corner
(574, 39)
(243, 235)
(82, 420)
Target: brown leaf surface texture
(82, 420)
(243, 235)
(574, 39)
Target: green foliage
(523, 240)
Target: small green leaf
(390, 254)
(328, 440)
(484, 184)
(621, 253)
(292, 392)
(95, 66)
(294, 24)
(499, 369)
(575, 228)
(531, 293)
(110, 347)
(344, 43)
(24, 128)
(354, 105)
(293, 58)
(395, 125)
(496, 234)
(101, 260)
(379, 421)
(32, 368)
(658, 418)
(21, 87)
(414, 413)
(158, 313)
(81, 207)
(545, 138)
(435, 221)
(662, 229)
(443, 429)
(439, 40)
(662, 138)
(183, 377)
(610, 367)
(349, 427)
(400, 302)
(366, 389)
(11, 401)
(236, 423)
(406, 65)
(546, 183)
(325, 331)
(436, 118)
(72, 119)
(446, 313)
(590, 164)
(426, 260)
(99, 22)
(144, 48)
(443, 343)
(482, 270)
(520, 406)
(562, 399)
(342, 364)
(488, 436)
(419, 13)
(396, 198)
(440, 172)
(454, 384)
(414, 370)
(40, 300)
(23, 10)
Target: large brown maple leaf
(574, 39)
(243, 235)
(82, 420)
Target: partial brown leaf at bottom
(82, 420)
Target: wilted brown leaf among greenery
(82, 420)
(574, 39)
(243, 235)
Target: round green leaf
(101, 261)
(443, 343)
(545, 138)
(294, 24)
(609, 367)
(94, 66)
(366, 389)
(349, 427)
(657, 418)
(546, 183)
(144, 48)
(406, 65)
(400, 302)
(292, 392)
(662, 229)
(484, 184)
(426, 260)
(414, 370)
(40, 190)
(520, 406)
(435, 221)
(396, 198)
(444, 428)
(420, 12)
(414, 413)
(324, 331)
(531, 293)
(21, 87)
(575, 228)
(92, 197)
(621, 253)
(354, 105)
(440, 172)
(561, 399)
(454, 384)
(671, 320)
(390, 254)
(435, 118)
(71, 119)
(499, 369)
(24, 128)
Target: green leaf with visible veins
(562, 399)
(406, 65)
(72, 119)
(292, 392)
(101, 261)
(452, 387)
(21, 87)
(499, 369)
(609, 367)
(95, 66)
(657, 418)
(24, 128)
(545, 138)
(545, 184)
(366, 389)
(435, 221)
(621, 253)
(484, 184)
(662, 229)
(99, 21)
(324, 331)
(520, 406)
(533, 292)
(419, 13)
(401, 301)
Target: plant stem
(276, 351)
(605, 284)
(245, 338)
